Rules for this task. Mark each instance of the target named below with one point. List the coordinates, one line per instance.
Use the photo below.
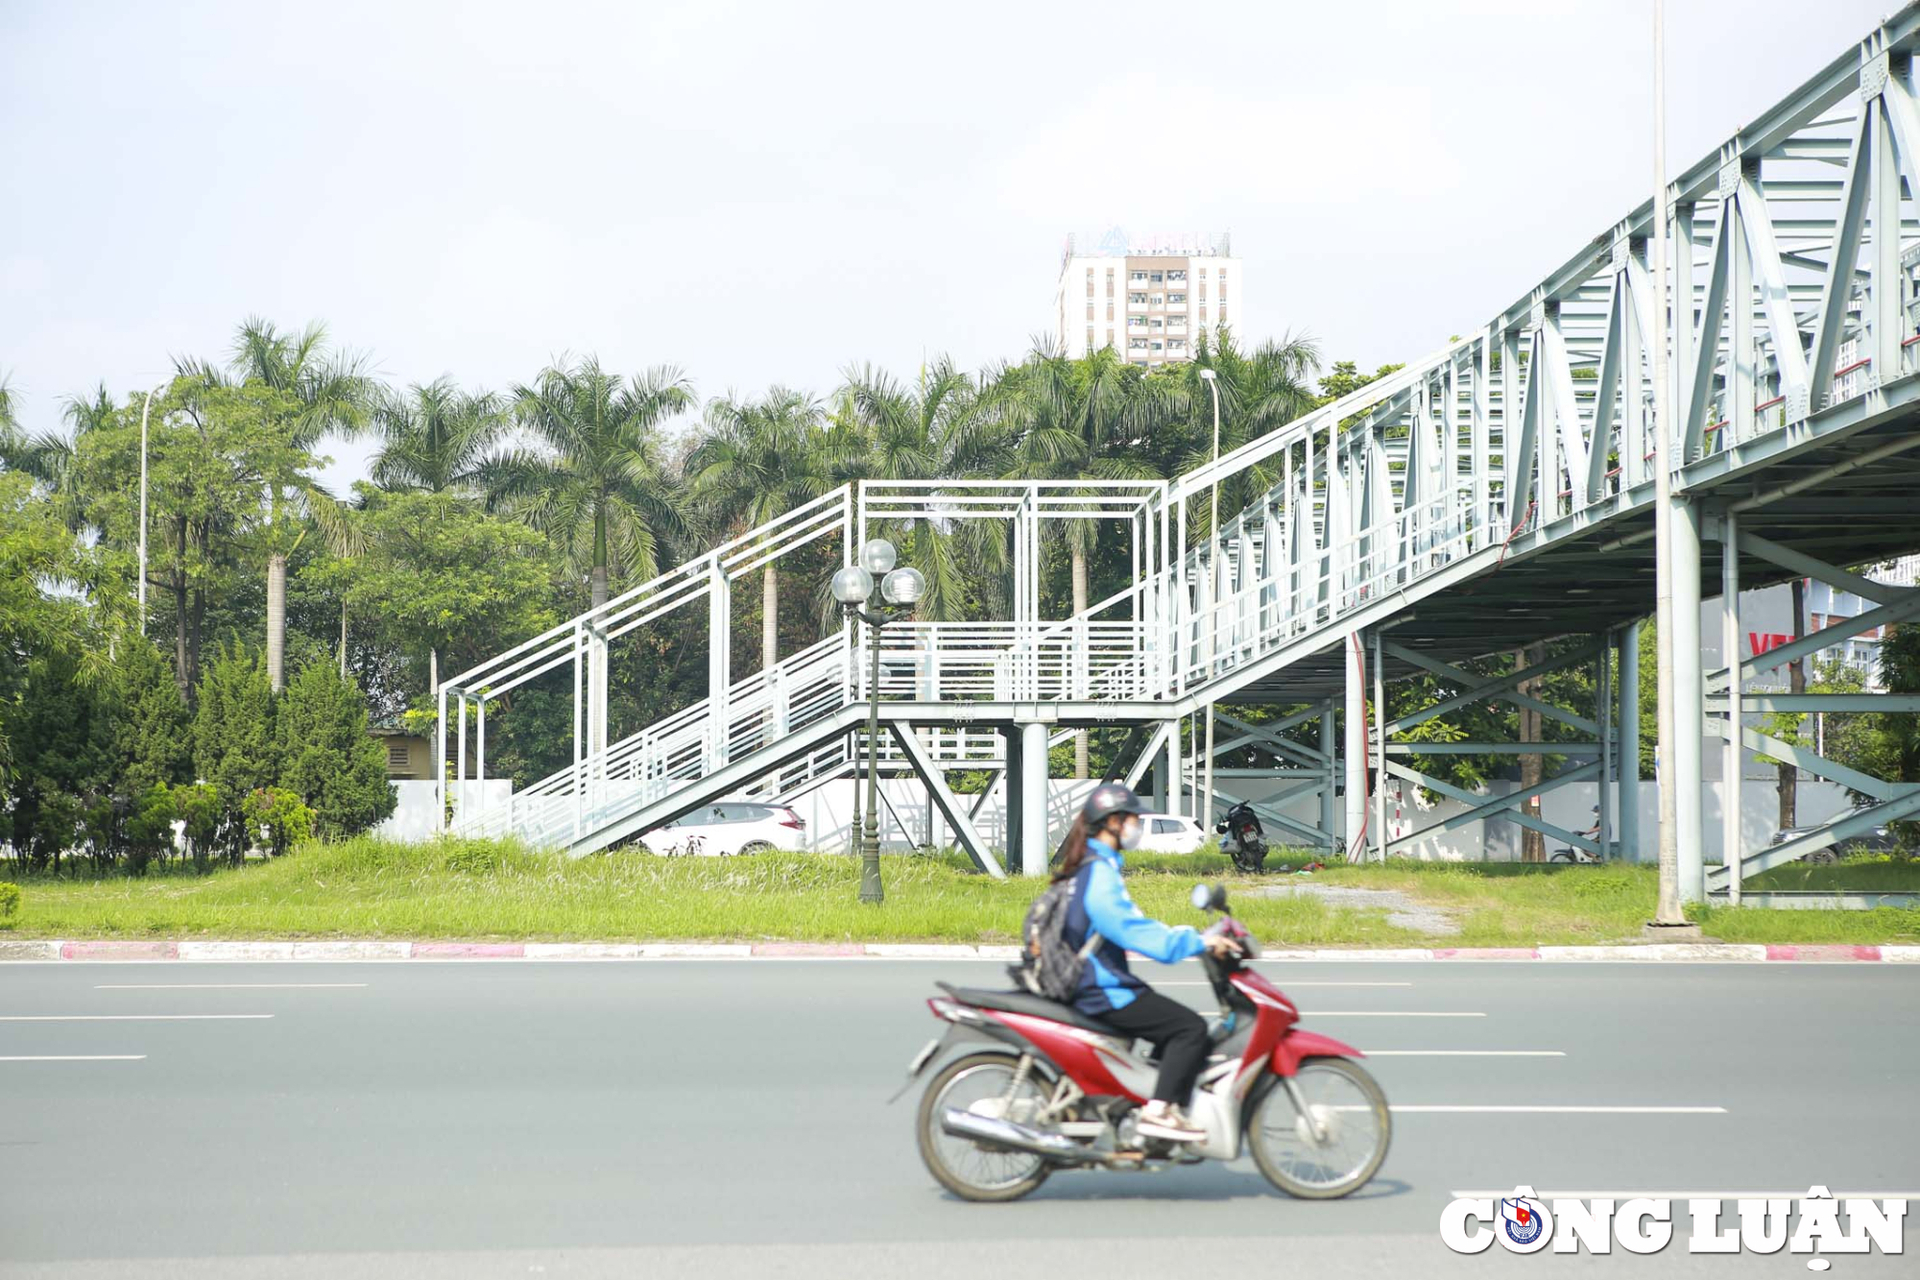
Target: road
(720, 1119)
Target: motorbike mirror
(1210, 897)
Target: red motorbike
(1053, 1089)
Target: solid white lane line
(1386, 1013)
(129, 1017)
(1464, 1053)
(77, 1057)
(1425, 1109)
(221, 985)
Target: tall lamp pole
(1667, 910)
(900, 589)
(1213, 587)
(142, 587)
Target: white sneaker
(1165, 1121)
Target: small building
(409, 755)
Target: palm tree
(9, 417)
(758, 460)
(328, 392)
(946, 425)
(599, 484)
(435, 437)
(1083, 420)
(1259, 392)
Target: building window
(1138, 277)
(1089, 337)
(1176, 344)
(1158, 300)
(1176, 277)
(1136, 344)
(1136, 297)
(1136, 322)
(1089, 311)
(1177, 299)
(1156, 346)
(396, 757)
(1154, 323)
(1156, 277)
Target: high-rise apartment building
(1149, 299)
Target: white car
(729, 828)
(1166, 833)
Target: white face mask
(1130, 833)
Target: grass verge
(368, 888)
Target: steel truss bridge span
(1493, 495)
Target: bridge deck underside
(1604, 576)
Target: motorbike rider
(1109, 821)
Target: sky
(766, 194)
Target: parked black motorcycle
(1243, 839)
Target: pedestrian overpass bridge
(1496, 494)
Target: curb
(377, 949)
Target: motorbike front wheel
(964, 1167)
(1336, 1151)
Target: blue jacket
(1100, 903)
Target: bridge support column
(1683, 754)
(1333, 775)
(1355, 754)
(1629, 739)
(1036, 851)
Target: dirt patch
(1402, 912)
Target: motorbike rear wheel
(1355, 1124)
(963, 1167)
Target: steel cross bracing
(1495, 493)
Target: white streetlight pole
(1213, 584)
(144, 410)
(1667, 910)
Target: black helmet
(1108, 799)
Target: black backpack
(1048, 967)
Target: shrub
(9, 904)
(278, 814)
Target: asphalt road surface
(719, 1119)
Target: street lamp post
(1213, 587)
(1670, 717)
(900, 589)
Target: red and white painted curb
(380, 949)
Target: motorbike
(1045, 1089)
(1243, 838)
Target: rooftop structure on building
(1152, 298)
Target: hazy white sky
(766, 193)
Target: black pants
(1177, 1031)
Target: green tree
(233, 740)
(60, 739)
(435, 437)
(441, 581)
(757, 460)
(945, 425)
(599, 486)
(319, 392)
(326, 757)
(152, 740)
(1260, 391)
(1345, 377)
(277, 815)
(1086, 421)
